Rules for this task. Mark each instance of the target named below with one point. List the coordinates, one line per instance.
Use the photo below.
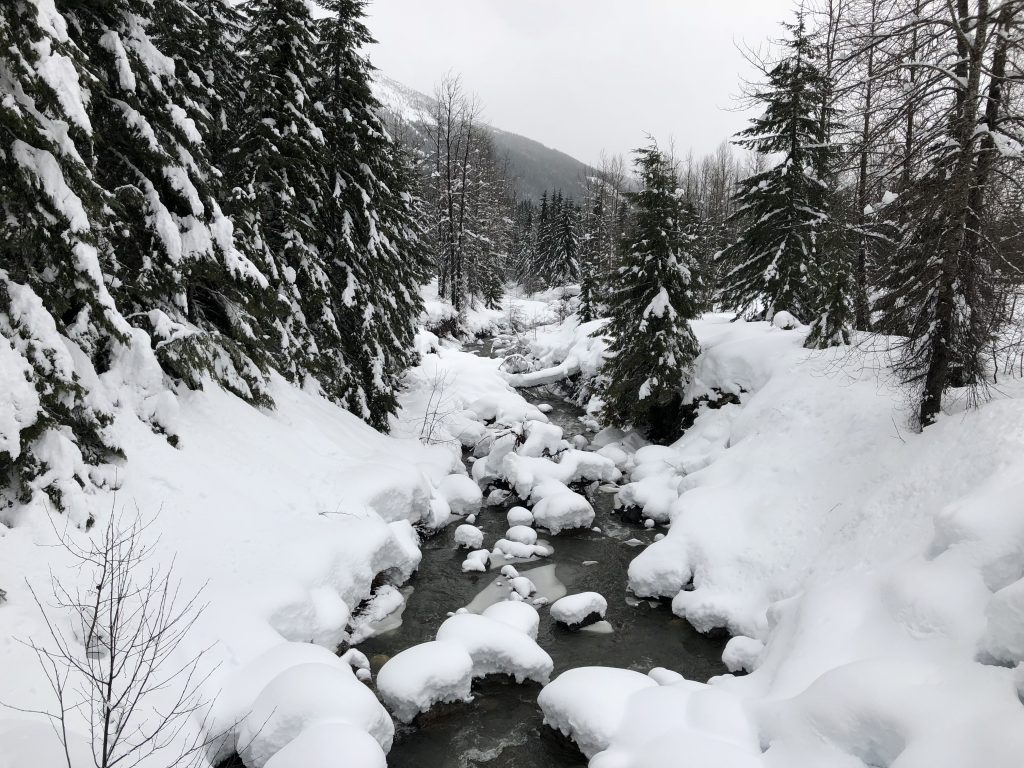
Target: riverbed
(503, 726)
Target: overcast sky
(583, 75)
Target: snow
(588, 704)
(426, 674)
(286, 516)
(563, 510)
(785, 321)
(514, 550)
(518, 516)
(461, 493)
(520, 616)
(305, 695)
(478, 560)
(523, 534)
(572, 610)
(469, 536)
(497, 647)
(319, 746)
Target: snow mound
(469, 536)
(588, 704)
(477, 560)
(574, 610)
(519, 516)
(542, 439)
(461, 493)
(520, 616)
(497, 647)
(785, 321)
(303, 696)
(519, 551)
(523, 534)
(562, 511)
(320, 745)
(419, 677)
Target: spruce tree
(567, 249)
(776, 262)
(654, 296)
(278, 176)
(174, 269)
(544, 251)
(51, 269)
(374, 255)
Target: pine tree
(203, 38)
(776, 264)
(371, 222)
(652, 346)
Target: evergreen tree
(203, 38)
(371, 223)
(566, 267)
(776, 264)
(278, 174)
(51, 270)
(836, 319)
(652, 346)
(544, 250)
(174, 269)
(592, 246)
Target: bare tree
(121, 669)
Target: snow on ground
(873, 576)
(284, 518)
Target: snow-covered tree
(278, 175)
(776, 262)
(174, 268)
(373, 252)
(51, 269)
(652, 299)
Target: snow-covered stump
(427, 674)
(580, 610)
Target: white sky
(584, 75)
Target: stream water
(502, 727)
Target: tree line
(880, 203)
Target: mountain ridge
(534, 166)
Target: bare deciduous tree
(114, 658)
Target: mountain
(534, 166)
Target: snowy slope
(283, 518)
(873, 577)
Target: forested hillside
(206, 184)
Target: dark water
(502, 727)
